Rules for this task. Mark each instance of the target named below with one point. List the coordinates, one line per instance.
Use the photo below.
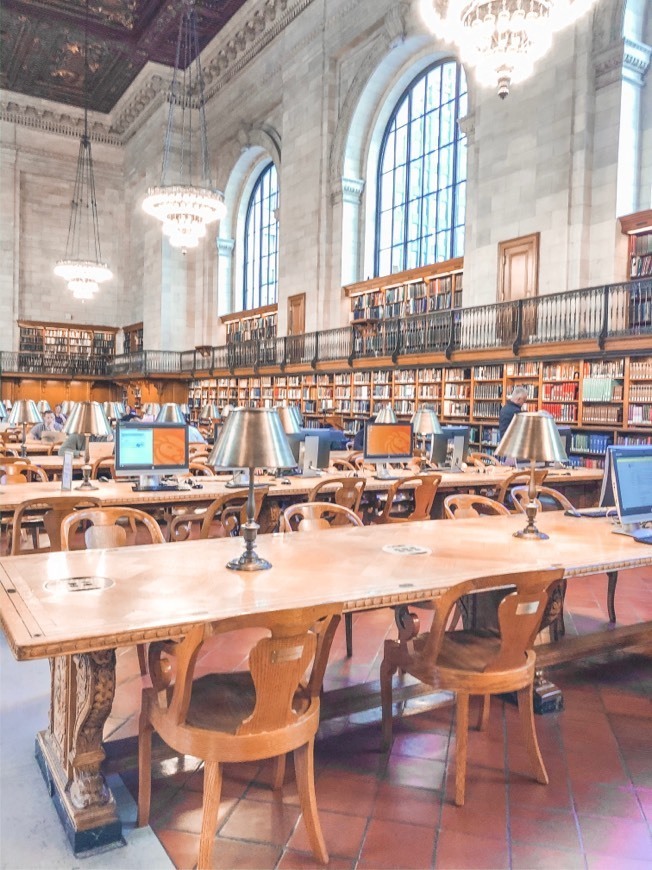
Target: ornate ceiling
(42, 44)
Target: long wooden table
(152, 592)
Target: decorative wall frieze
(636, 61)
(50, 120)
(348, 190)
(608, 65)
(150, 92)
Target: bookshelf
(133, 338)
(605, 401)
(415, 291)
(638, 228)
(60, 341)
(253, 325)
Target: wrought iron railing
(593, 314)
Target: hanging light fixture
(82, 268)
(502, 39)
(185, 201)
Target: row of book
(602, 390)
(590, 442)
(561, 412)
(560, 392)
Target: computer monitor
(385, 443)
(566, 436)
(451, 448)
(632, 479)
(311, 449)
(607, 498)
(151, 451)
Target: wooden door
(518, 276)
(297, 314)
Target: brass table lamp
(532, 435)
(211, 412)
(170, 413)
(386, 415)
(113, 410)
(43, 406)
(23, 412)
(87, 418)
(424, 424)
(151, 409)
(251, 438)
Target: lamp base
(532, 534)
(86, 485)
(249, 562)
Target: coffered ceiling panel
(42, 44)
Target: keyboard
(590, 512)
(643, 536)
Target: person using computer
(513, 406)
(77, 443)
(129, 415)
(49, 424)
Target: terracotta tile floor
(396, 811)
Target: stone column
(636, 62)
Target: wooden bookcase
(638, 228)
(604, 401)
(415, 291)
(133, 338)
(61, 340)
(251, 325)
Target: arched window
(421, 198)
(260, 284)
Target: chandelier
(502, 39)
(185, 201)
(82, 267)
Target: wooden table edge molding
(160, 591)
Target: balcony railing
(591, 314)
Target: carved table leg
(70, 752)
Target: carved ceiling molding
(62, 122)
(146, 98)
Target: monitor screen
(388, 442)
(632, 476)
(151, 448)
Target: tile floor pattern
(396, 811)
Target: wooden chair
(547, 499)
(519, 477)
(314, 517)
(421, 491)
(200, 469)
(103, 466)
(464, 506)
(223, 517)
(20, 472)
(482, 607)
(40, 513)
(244, 716)
(478, 662)
(481, 460)
(342, 465)
(347, 491)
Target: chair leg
(348, 629)
(304, 765)
(212, 797)
(142, 658)
(526, 715)
(461, 743)
(612, 580)
(144, 771)
(484, 712)
(278, 777)
(386, 674)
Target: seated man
(77, 443)
(49, 424)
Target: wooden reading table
(77, 607)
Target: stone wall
(310, 84)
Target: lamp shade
(289, 420)
(170, 413)
(87, 418)
(24, 411)
(151, 409)
(43, 406)
(425, 422)
(67, 406)
(386, 415)
(532, 435)
(185, 410)
(210, 412)
(113, 410)
(3, 411)
(295, 411)
(226, 410)
(252, 438)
